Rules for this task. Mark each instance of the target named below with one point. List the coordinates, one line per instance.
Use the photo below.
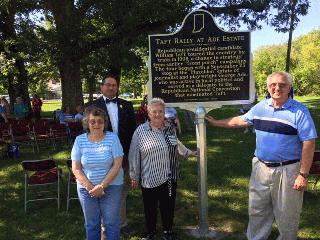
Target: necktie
(114, 100)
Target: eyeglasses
(154, 112)
(280, 85)
(94, 122)
(110, 85)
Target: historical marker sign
(200, 64)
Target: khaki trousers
(271, 197)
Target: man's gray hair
(156, 101)
(284, 74)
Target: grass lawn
(51, 105)
(229, 165)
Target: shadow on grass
(312, 103)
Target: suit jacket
(126, 123)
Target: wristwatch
(305, 175)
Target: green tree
(306, 71)
(305, 67)
(16, 38)
(80, 28)
(265, 61)
(282, 15)
(85, 39)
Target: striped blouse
(153, 155)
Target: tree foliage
(252, 13)
(16, 40)
(135, 80)
(83, 31)
(305, 64)
(79, 41)
(306, 58)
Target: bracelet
(100, 186)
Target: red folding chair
(58, 133)
(40, 173)
(75, 129)
(5, 129)
(22, 135)
(41, 134)
(71, 181)
(314, 173)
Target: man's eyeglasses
(153, 112)
(280, 85)
(94, 122)
(110, 85)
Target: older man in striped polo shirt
(285, 143)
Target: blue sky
(268, 36)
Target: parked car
(126, 95)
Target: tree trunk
(71, 83)
(116, 70)
(23, 83)
(288, 60)
(11, 90)
(68, 34)
(17, 82)
(91, 88)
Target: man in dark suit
(121, 120)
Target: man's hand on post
(210, 119)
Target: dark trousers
(152, 197)
(36, 115)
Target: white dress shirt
(113, 115)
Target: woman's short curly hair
(97, 112)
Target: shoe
(149, 236)
(168, 235)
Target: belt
(278, 164)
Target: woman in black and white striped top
(153, 159)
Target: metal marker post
(202, 170)
(203, 230)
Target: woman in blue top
(96, 163)
(65, 116)
(19, 109)
(3, 117)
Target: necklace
(159, 127)
(96, 141)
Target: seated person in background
(65, 115)
(3, 117)
(172, 117)
(56, 114)
(19, 109)
(78, 117)
(6, 106)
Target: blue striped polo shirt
(280, 132)
(97, 158)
